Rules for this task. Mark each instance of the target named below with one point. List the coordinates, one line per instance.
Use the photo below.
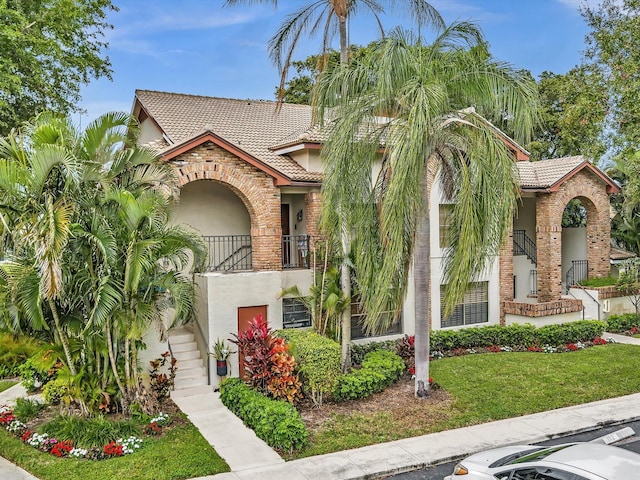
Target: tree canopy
(49, 50)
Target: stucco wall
(522, 267)
(149, 132)
(525, 218)
(228, 292)
(541, 321)
(574, 247)
(212, 209)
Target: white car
(573, 461)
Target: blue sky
(197, 47)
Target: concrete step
(192, 391)
(181, 383)
(187, 355)
(181, 335)
(186, 364)
(191, 372)
(183, 347)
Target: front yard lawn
(476, 389)
(181, 453)
(6, 384)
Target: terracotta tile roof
(251, 125)
(545, 173)
(620, 254)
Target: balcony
(233, 253)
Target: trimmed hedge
(380, 368)
(319, 361)
(622, 323)
(276, 422)
(517, 335)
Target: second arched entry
(549, 233)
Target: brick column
(313, 207)
(506, 273)
(549, 248)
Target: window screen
(295, 314)
(473, 309)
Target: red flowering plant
(599, 341)
(268, 366)
(534, 348)
(62, 449)
(572, 347)
(113, 449)
(494, 349)
(152, 429)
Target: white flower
(160, 418)
(78, 453)
(15, 426)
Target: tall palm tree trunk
(421, 273)
(63, 337)
(112, 358)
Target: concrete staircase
(191, 374)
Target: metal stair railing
(523, 245)
(228, 253)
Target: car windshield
(509, 459)
(540, 454)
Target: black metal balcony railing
(578, 271)
(523, 245)
(295, 251)
(232, 253)
(228, 253)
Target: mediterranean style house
(250, 177)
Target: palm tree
(409, 99)
(328, 16)
(92, 253)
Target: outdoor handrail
(523, 245)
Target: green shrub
(516, 335)
(358, 351)
(380, 368)
(599, 282)
(319, 361)
(276, 422)
(622, 323)
(89, 432)
(14, 351)
(27, 408)
(54, 390)
(32, 375)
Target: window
(539, 473)
(446, 212)
(473, 309)
(295, 314)
(357, 320)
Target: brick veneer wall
(254, 187)
(549, 208)
(566, 305)
(313, 208)
(506, 274)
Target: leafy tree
(332, 16)
(573, 108)
(406, 96)
(612, 48)
(92, 254)
(629, 281)
(49, 49)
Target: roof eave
(611, 186)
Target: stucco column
(548, 249)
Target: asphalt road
(438, 472)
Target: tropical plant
(93, 258)
(331, 16)
(409, 98)
(221, 351)
(268, 367)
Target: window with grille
(446, 212)
(473, 309)
(357, 321)
(295, 314)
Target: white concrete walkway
(237, 444)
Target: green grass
(182, 453)
(6, 384)
(599, 282)
(490, 387)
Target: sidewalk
(251, 458)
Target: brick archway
(550, 206)
(255, 189)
